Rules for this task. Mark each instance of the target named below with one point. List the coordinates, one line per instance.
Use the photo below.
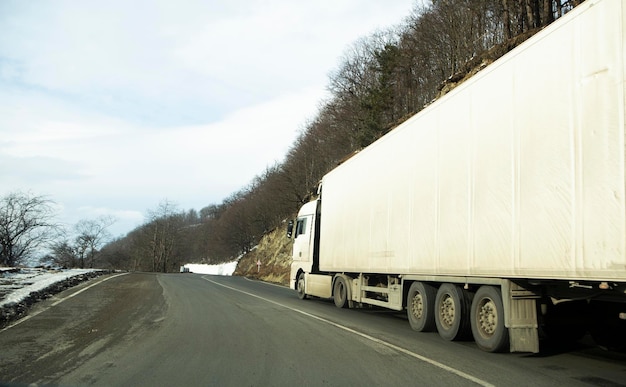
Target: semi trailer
(496, 213)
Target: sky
(109, 108)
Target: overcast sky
(111, 107)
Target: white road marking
(26, 318)
(265, 283)
(88, 287)
(368, 337)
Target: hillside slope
(274, 253)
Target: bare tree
(521, 16)
(26, 224)
(63, 254)
(91, 234)
(163, 227)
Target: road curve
(185, 329)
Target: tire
(420, 307)
(452, 307)
(340, 292)
(300, 287)
(487, 320)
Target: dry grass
(274, 252)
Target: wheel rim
(301, 285)
(487, 318)
(447, 312)
(417, 306)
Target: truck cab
(304, 243)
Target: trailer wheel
(340, 292)
(300, 287)
(487, 320)
(420, 307)
(452, 307)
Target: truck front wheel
(487, 318)
(420, 307)
(452, 312)
(300, 287)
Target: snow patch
(17, 284)
(221, 269)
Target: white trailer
(499, 211)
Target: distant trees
(63, 254)
(118, 254)
(161, 234)
(91, 234)
(169, 238)
(26, 225)
(81, 251)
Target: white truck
(499, 211)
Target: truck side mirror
(289, 229)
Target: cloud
(210, 160)
(98, 155)
(110, 107)
(21, 171)
(134, 55)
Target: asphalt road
(197, 330)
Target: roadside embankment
(274, 255)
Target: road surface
(198, 330)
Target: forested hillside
(382, 80)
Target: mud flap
(520, 317)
